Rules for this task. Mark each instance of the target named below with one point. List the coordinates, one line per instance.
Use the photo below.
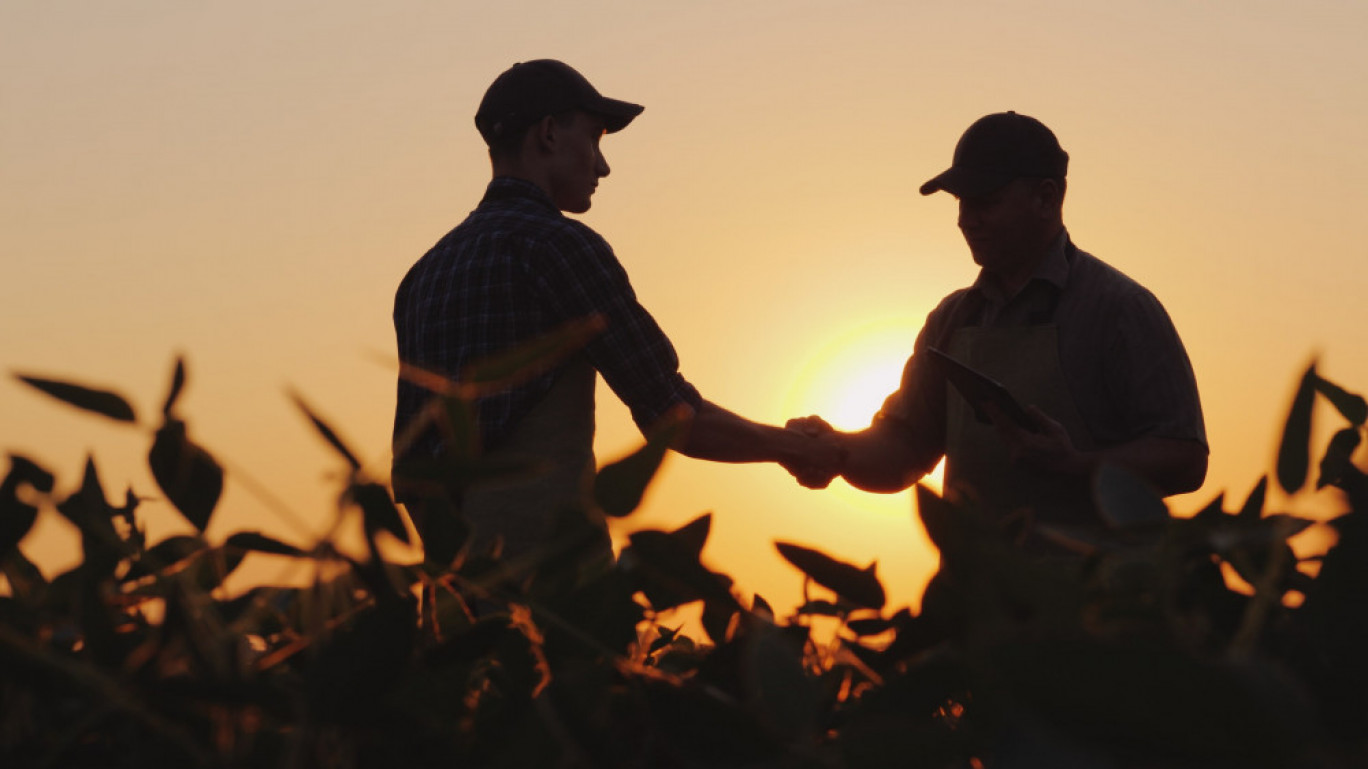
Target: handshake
(819, 456)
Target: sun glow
(846, 380)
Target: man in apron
(1090, 353)
(517, 269)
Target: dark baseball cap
(995, 150)
(530, 90)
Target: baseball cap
(530, 90)
(995, 150)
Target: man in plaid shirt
(516, 269)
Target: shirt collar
(1053, 269)
(512, 188)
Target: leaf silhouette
(90, 511)
(821, 608)
(16, 515)
(620, 486)
(667, 567)
(186, 473)
(859, 586)
(327, 432)
(945, 526)
(1353, 407)
(378, 510)
(869, 626)
(177, 384)
(1254, 503)
(1294, 453)
(257, 542)
(530, 359)
(104, 402)
(1338, 455)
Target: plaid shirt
(513, 270)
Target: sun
(846, 379)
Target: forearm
(1170, 465)
(881, 462)
(719, 435)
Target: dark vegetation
(1131, 653)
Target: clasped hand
(823, 456)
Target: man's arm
(876, 459)
(719, 435)
(1170, 465)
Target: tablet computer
(979, 389)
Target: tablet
(979, 389)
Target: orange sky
(247, 182)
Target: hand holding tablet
(979, 390)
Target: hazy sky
(246, 183)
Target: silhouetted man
(1091, 353)
(517, 268)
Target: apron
(978, 466)
(559, 434)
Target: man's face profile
(577, 162)
(1000, 227)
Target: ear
(544, 134)
(1049, 195)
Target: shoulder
(948, 306)
(941, 320)
(1098, 285)
(1114, 307)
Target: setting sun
(846, 380)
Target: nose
(601, 166)
(968, 214)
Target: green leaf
(327, 432)
(1353, 407)
(255, 541)
(859, 586)
(186, 473)
(528, 360)
(1338, 456)
(1124, 499)
(1294, 453)
(177, 384)
(620, 486)
(102, 402)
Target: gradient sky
(246, 183)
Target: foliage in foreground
(1130, 652)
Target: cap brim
(965, 182)
(617, 114)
